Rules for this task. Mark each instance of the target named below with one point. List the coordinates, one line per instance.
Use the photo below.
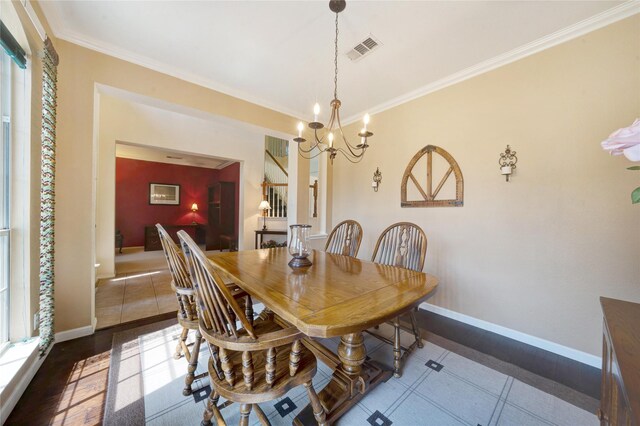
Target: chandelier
(325, 142)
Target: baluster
(227, 366)
(270, 367)
(294, 357)
(247, 369)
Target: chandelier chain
(335, 63)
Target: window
(5, 98)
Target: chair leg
(245, 410)
(212, 410)
(397, 373)
(261, 416)
(193, 364)
(183, 339)
(318, 410)
(416, 330)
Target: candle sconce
(377, 178)
(507, 162)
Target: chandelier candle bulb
(366, 121)
(300, 127)
(316, 112)
(330, 140)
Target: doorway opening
(179, 191)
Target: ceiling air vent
(363, 48)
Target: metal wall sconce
(507, 162)
(377, 178)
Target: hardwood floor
(573, 374)
(70, 387)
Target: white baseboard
(31, 366)
(75, 333)
(556, 348)
(104, 276)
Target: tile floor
(141, 288)
(438, 387)
(134, 295)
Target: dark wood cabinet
(222, 217)
(620, 391)
(152, 239)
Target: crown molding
(172, 71)
(598, 21)
(622, 11)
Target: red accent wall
(133, 211)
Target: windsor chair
(345, 239)
(251, 362)
(402, 244)
(187, 311)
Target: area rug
(438, 387)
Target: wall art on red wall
(162, 193)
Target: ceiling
(137, 152)
(280, 53)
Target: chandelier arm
(352, 158)
(308, 157)
(314, 146)
(350, 147)
(319, 141)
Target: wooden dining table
(335, 296)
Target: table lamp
(194, 209)
(264, 206)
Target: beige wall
(534, 254)
(79, 71)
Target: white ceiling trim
(610, 16)
(226, 164)
(603, 19)
(108, 49)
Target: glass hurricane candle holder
(299, 246)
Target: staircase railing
(275, 188)
(276, 195)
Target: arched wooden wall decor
(429, 194)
